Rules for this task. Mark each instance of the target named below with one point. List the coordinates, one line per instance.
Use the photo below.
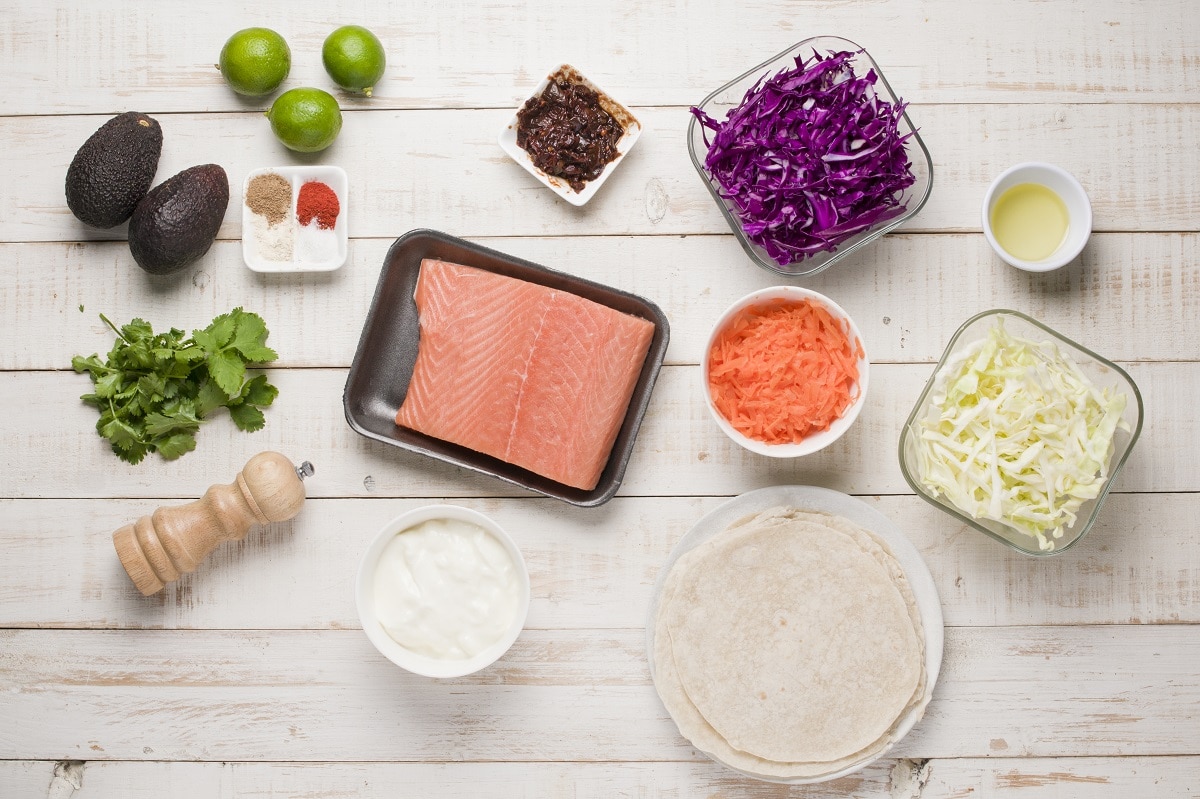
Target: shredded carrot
(782, 371)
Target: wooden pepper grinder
(158, 548)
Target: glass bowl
(731, 94)
(1102, 372)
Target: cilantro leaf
(191, 353)
(121, 434)
(250, 327)
(159, 425)
(228, 369)
(258, 391)
(257, 353)
(220, 331)
(249, 338)
(247, 417)
(176, 445)
(152, 386)
(206, 341)
(154, 391)
(210, 398)
(132, 455)
(89, 364)
(109, 385)
(136, 331)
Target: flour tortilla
(789, 646)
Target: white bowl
(812, 443)
(332, 176)
(364, 590)
(633, 129)
(1062, 183)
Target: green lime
(305, 120)
(255, 61)
(354, 58)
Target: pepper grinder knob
(172, 541)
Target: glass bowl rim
(1114, 468)
(872, 234)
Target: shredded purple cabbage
(810, 158)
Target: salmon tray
(383, 368)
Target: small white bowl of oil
(1037, 217)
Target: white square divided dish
(327, 255)
(630, 124)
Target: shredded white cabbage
(1018, 434)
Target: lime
(305, 120)
(255, 61)
(354, 58)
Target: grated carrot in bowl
(783, 370)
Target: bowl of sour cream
(442, 591)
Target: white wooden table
(1072, 676)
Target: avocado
(178, 220)
(114, 169)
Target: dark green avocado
(178, 220)
(114, 169)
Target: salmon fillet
(537, 377)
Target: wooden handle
(158, 548)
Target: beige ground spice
(270, 195)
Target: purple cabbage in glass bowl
(810, 156)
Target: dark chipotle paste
(567, 133)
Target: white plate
(633, 129)
(332, 176)
(813, 498)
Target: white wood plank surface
(1065, 677)
(1023, 778)
(679, 450)
(1140, 565)
(572, 695)
(444, 169)
(1124, 280)
(158, 57)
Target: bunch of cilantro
(156, 389)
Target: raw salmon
(535, 376)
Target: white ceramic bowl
(364, 590)
(812, 443)
(1062, 183)
(633, 129)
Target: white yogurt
(446, 588)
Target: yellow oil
(1030, 221)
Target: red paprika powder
(317, 201)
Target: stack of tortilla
(790, 646)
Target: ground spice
(269, 195)
(317, 201)
(314, 245)
(271, 242)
